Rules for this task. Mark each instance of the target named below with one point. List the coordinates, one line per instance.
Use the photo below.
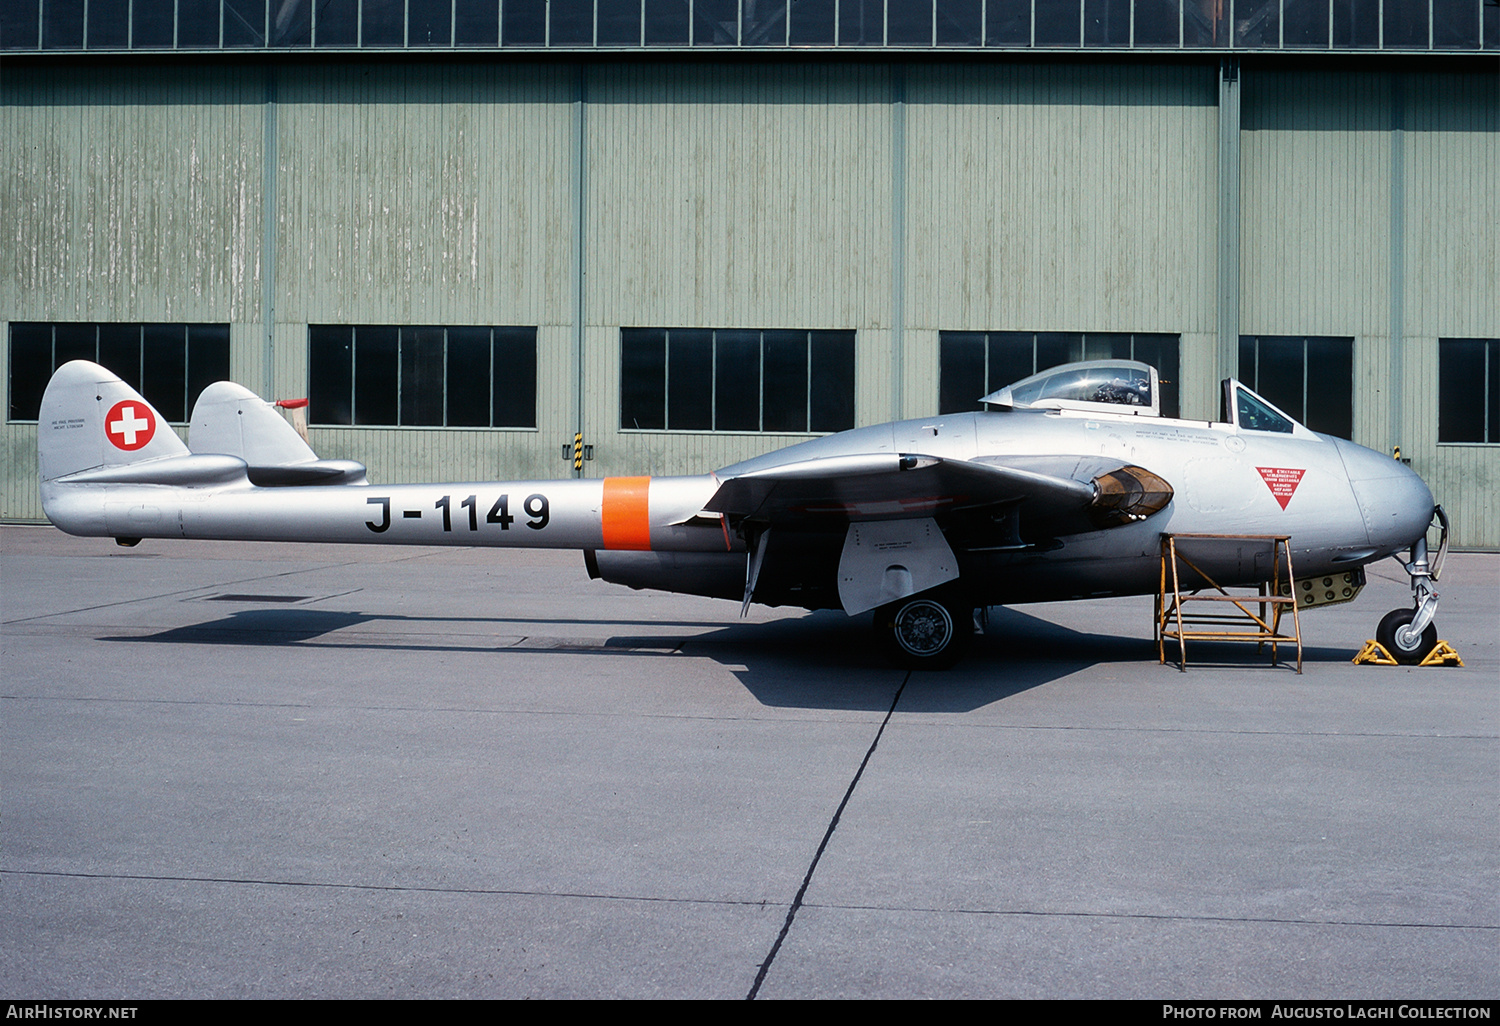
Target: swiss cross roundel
(130, 424)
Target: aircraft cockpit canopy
(1105, 386)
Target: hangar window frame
(972, 364)
(169, 363)
(422, 376)
(1297, 372)
(1069, 25)
(721, 377)
(1468, 391)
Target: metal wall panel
(1356, 186)
(1452, 265)
(1452, 190)
(1315, 220)
(424, 194)
(1060, 198)
(130, 193)
(753, 195)
(126, 194)
(1466, 480)
(18, 488)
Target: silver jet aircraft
(1061, 490)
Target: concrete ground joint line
(448, 709)
(172, 594)
(791, 914)
(1158, 916)
(419, 888)
(1223, 732)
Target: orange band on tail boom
(626, 515)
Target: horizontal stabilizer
(318, 472)
(186, 471)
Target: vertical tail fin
(229, 418)
(90, 418)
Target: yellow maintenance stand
(1220, 615)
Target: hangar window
(733, 379)
(975, 363)
(1469, 390)
(1310, 378)
(420, 376)
(169, 364)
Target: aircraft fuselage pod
(1064, 491)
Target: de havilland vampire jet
(1063, 489)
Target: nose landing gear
(1409, 634)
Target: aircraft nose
(1394, 501)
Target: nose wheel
(924, 632)
(1405, 645)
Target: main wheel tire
(1392, 631)
(924, 632)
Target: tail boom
(567, 514)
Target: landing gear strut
(1409, 634)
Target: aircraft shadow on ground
(822, 660)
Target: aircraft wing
(1066, 494)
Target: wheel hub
(1407, 639)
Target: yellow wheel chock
(1374, 653)
(1442, 654)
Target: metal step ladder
(1220, 615)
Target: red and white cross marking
(130, 425)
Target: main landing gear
(925, 632)
(1409, 634)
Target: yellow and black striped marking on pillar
(578, 451)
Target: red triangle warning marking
(1282, 481)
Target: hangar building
(695, 230)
